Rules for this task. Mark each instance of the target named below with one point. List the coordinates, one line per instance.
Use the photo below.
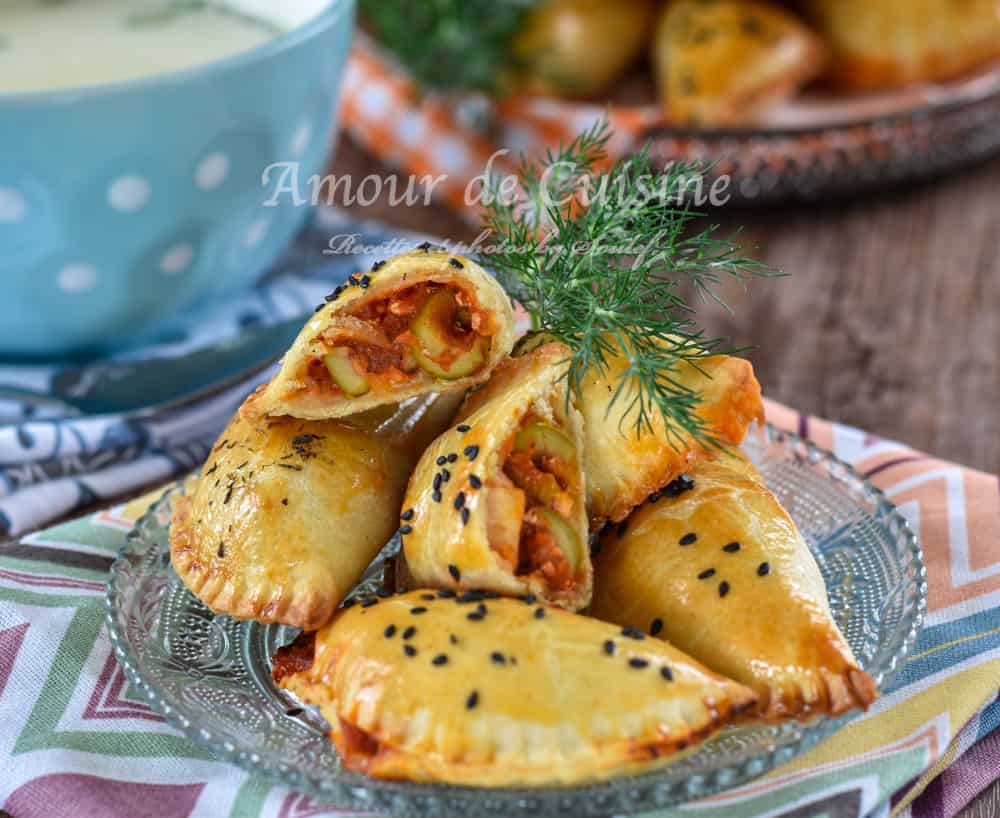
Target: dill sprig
(597, 253)
(450, 45)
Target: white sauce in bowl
(58, 44)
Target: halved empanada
(497, 502)
(287, 513)
(420, 322)
(494, 692)
(623, 468)
(722, 572)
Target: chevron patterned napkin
(76, 740)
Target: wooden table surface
(888, 320)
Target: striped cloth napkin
(76, 740)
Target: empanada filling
(531, 502)
(434, 328)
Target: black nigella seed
(539, 613)
(319, 307)
(453, 458)
(445, 475)
(688, 539)
(475, 482)
(465, 516)
(609, 647)
(437, 482)
(453, 639)
(446, 594)
(731, 548)
(454, 262)
(667, 673)
(677, 487)
(349, 603)
(708, 572)
(456, 574)
(763, 569)
(637, 663)
(378, 265)
(427, 597)
(498, 658)
(293, 711)
(441, 460)
(476, 616)
(383, 593)
(471, 452)
(655, 626)
(472, 700)
(389, 632)
(470, 596)
(481, 608)
(436, 496)
(528, 599)
(407, 515)
(723, 588)
(409, 632)
(222, 550)
(425, 246)
(460, 499)
(633, 633)
(367, 603)
(440, 659)
(463, 427)
(409, 650)
(365, 281)
(405, 529)
(418, 610)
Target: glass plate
(211, 675)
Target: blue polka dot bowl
(122, 204)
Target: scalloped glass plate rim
(352, 790)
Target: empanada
(497, 502)
(623, 468)
(722, 572)
(896, 42)
(495, 692)
(287, 513)
(421, 322)
(725, 62)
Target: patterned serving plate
(210, 675)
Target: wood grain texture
(888, 320)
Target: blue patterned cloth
(55, 458)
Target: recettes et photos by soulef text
(574, 599)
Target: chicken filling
(531, 502)
(434, 328)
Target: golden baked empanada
(722, 572)
(725, 62)
(494, 692)
(420, 322)
(497, 502)
(622, 468)
(287, 513)
(896, 42)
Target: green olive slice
(341, 368)
(562, 534)
(433, 321)
(544, 439)
(466, 362)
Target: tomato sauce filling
(294, 658)
(530, 505)
(434, 327)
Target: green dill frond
(597, 256)
(450, 45)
